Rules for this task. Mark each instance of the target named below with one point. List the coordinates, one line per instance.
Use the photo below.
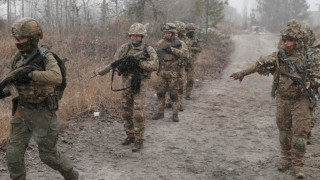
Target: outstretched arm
(240, 75)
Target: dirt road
(227, 132)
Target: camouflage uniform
(133, 104)
(194, 49)
(181, 29)
(33, 117)
(294, 114)
(170, 73)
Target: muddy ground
(227, 132)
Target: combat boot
(298, 171)
(137, 146)
(128, 141)
(181, 108)
(169, 105)
(308, 138)
(73, 175)
(175, 118)
(284, 165)
(158, 116)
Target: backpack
(59, 90)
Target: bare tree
(104, 7)
(22, 8)
(9, 12)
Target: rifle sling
(288, 74)
(112, 78)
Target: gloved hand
(2, 94)
(24, 76)
(167, 49)
(236, 76)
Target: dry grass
(83, 94)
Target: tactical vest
(32, 92)
(131, 50)
(171, 62)
(286, 88)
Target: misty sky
(238, 4)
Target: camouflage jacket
(171, 61)
(43, 81)
(307, 67)
(194, 47)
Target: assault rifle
(292, 74)
(9, 80)
(196, 42)
(161, 51)
(127, 64)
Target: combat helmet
(311, 36)
(137, 29)
(181, 27)
(191, 27)
(316, 44)
(169, 27)
(26, 27)
(296, 32)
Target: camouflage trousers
(134, 111)
(294, 118)
(168, 85)
(190, 78)
(43, 125)
(181, 84)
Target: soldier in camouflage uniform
(294, 109)
(181, 35)
(195, 49)
(169, 73)
(33, 112)
(133, 103)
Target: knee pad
(300, 144)
(160, 94)
(284, 137)
(190, 82)
(174, 96)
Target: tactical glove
(23, 76)
(237, 75)
(2, 94)
(167, 49)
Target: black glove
(2, 94)
(167, 49)
(23, 76)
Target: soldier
(133, 102)
(169, 72)
(293, 87)
(35, 108)
(195, 49)
(181, 34)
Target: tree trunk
(104, 7)
(8, 14)
(140, 10)
(22, 8)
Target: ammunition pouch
(52, 103)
